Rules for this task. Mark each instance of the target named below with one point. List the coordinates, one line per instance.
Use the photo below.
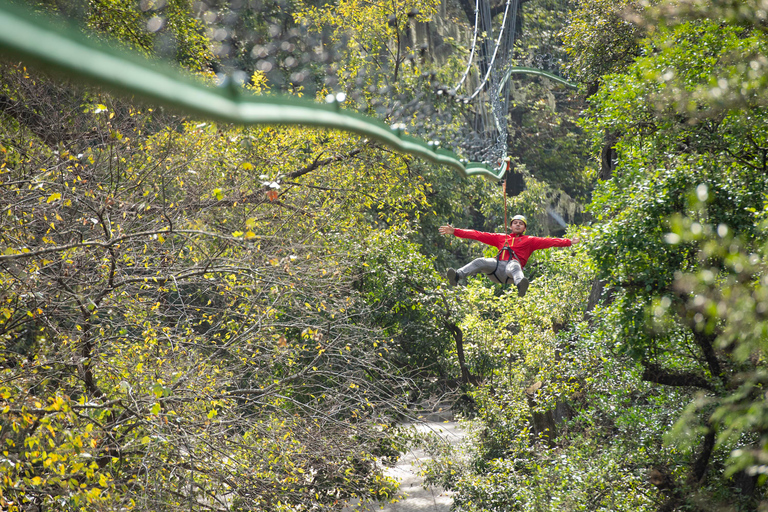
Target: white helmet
(522, 218)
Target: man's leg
(515, 271)
(479, 265)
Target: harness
(512, 256)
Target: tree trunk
(458, 336)
(608, 157)
(701, 463)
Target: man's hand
(446, 230)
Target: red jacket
(522, 245)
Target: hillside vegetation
(198, 316)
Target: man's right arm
(480, 236)
(471, 234)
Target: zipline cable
(500, 89)
(489, 143)
(472, 51)
(495, 51)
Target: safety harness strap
(506, 277)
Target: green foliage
(165, 28)
(386, 71)
(600, 39)
(538, 202)
(475, 204)
(548, 142)
(413, 304)
(677, 229)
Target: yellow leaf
(53, 197)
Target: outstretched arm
(446, 230)
(545, 242)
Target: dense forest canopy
(199, 316)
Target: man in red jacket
(514, 251)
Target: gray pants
(497, 271)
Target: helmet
(522, 218)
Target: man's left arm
(547, 242)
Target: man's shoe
(453, 278)
(522, 287)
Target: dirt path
(416, 498)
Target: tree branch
(321, 163)
(654, 373)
